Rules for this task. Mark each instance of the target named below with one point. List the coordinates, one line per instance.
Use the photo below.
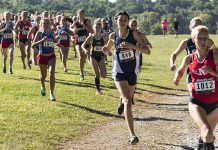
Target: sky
(112, 0)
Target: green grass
(29, 121)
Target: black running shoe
(133, 140)
(29, 64)
(120, 108)
(208, 146)
(4, 69)
(200, 144)
(10, 71)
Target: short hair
(198, 29)
(122, 13)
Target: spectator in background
(164, 26)
(176, 27)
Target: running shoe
(29, 64)
(98, 92)
(120, 108)
(24, 66)
(133, 140)
(65, 70)
(52, 98)
(81, 77)
(30, 61)
(43, 92)
(4, 69)
(10, 71)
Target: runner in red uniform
(23, 27)
(204, 95)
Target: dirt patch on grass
(162, 122)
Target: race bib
(81, 38)
(25, 32)
(48, 44)
(205, 86)
(98, 48)
(63, 37)
(8, 36)
(126, 55)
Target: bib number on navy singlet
(205, 86)
(81, 38)
(126, 55)
(48, 44)
(8, 36)
(98, 48)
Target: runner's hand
(173, 67)
(45, 38)
(126, 45)
(176, 82)
(207, 70)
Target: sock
(97, 83)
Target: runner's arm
(145, 39)
(174, 55)
(182, 68)
(37, 40)
(108, 46)
(143, 48)
(87, 41)
(30, 33)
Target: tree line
(148, 13)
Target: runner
(82, 27)
(23, 27)
(125, 66)
(64, 40)
(133, 26)
(16, 40)
(74, 18)
(7, 42)
(204, 93)
(190, 47)
(46, 58)
(32, 35)
(105, 31)
(97, 56)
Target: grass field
(29, 121)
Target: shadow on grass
(181, 146)
(64, 82)
(161, 104)
(105, 114)
(155, 92)
(166, 106)
(162, 87)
